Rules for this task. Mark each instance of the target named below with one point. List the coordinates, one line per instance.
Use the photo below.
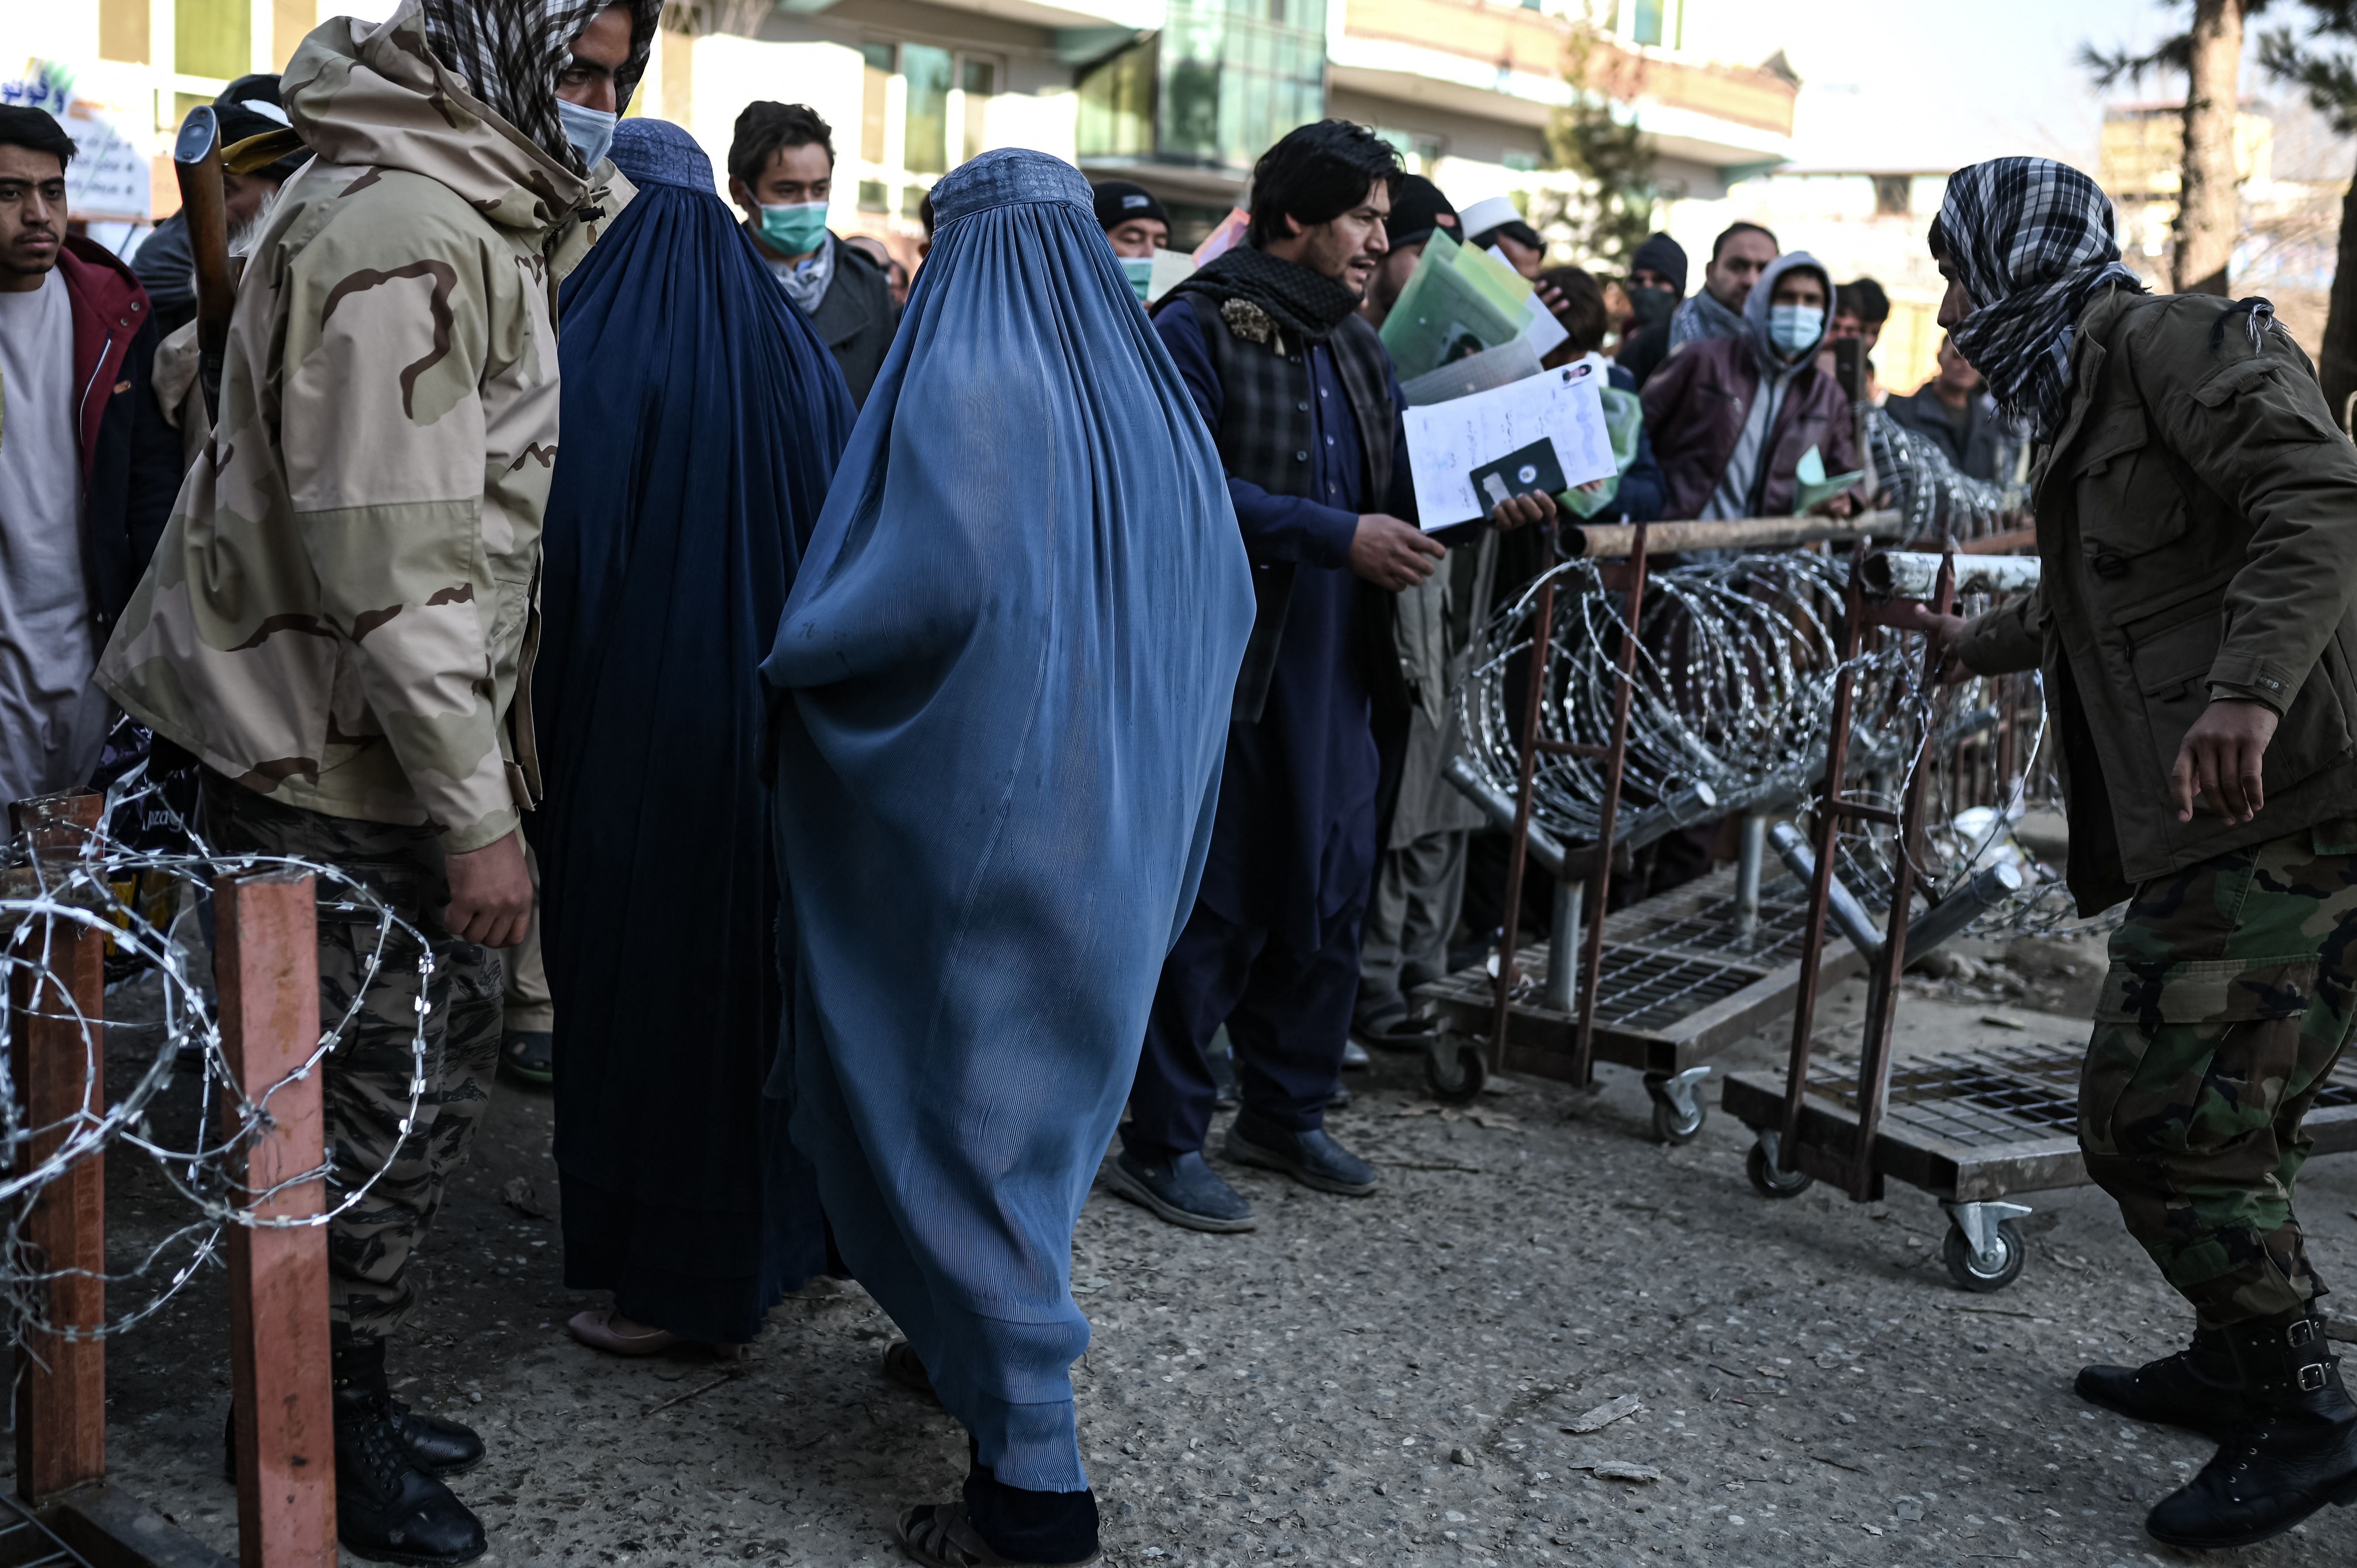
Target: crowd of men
(1015, 681)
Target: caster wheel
(1972, 1274)
(1673, 1123)
(1760, 1164)
(1455, 1070)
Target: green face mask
(797, 229)
(1141, 273)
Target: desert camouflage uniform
(339, 620)
(2228, 1002)
(368, 1078)
(342, 610)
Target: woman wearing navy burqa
(1010, 657)
(703, 418)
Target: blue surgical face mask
(1141, 273)
(1792, 328)
(796, 230)
(591, 131)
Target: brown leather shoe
(939, 1535)
(596, 1329)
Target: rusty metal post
(1828, 826)
(1599, 877)
(1874, 1052)
(1518, 852)
(59, 996)
(266, 962)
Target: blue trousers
(1288, 1017)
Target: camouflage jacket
(342, 610)
(2197, 517)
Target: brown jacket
(2197, 519)
(1694, 408)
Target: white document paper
(1541, 331)
(1171, 268)
(1447, 441)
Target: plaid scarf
(2033, 240)
(511, 53)
(1309, 304)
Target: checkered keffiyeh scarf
(2034, 239)
(510, 52)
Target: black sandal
(939, 1535)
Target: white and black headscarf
(510, 52)
(2034, 240)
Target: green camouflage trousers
(2227, 1003)
(368, 1073)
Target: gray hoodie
(1740, 483)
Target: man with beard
(336, 621)
(1306, 409)
(2197, 516)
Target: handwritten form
(1447, 441)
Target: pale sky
(1932, 84)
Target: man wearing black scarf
(1303, 402)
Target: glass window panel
(212, 37)
(925, 124)
(875, 85)
(873, 197)
(1645, 22)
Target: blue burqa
(703, 418)
(1011, 655)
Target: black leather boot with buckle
(2198, 1389)
(389, 1508)
(2297, 1453)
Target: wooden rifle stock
(197, 160)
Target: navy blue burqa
(702, 421)
(1011, 655)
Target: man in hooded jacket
(339, 620)
(1731, 418)
(2197, 518)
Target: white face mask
(591, 131)
(1793, 327)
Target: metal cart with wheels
(1973, 1128)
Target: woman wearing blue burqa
(1010, 655)
(703, 418)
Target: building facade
(1180, 95)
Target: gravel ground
(1390, 1380)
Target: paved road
(1381, 1381)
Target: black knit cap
(1418, 211)
(239, 120)
(1664, 255)
(1119, 202)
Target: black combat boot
(2197, 1389)
(435, 1446)
(438, 1447)
(388, 1508)
(2296, 1453)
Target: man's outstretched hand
(1394, 555)
(1914, 615)
(2220, 760)
(491, 894)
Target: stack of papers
(1459, 302)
